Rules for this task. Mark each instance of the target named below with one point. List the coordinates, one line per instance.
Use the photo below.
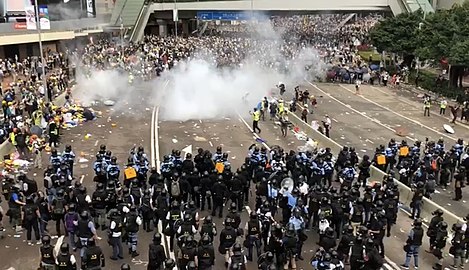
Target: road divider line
(152, 138)
(398, 114)
(155, 162)
(255, 136)
(414, 105)
(356, 111)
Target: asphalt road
(133, 127)
(365, 121)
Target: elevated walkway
(282, 5)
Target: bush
(427, 81)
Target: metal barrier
(377, 175)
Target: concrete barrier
(406, 193)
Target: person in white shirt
(327, 125)
(357, 87)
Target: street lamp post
(122, 38)
(41, 53)
(176, 19)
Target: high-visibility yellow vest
(13, 138)
(256, 116)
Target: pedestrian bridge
(134, 14)
(396, 6)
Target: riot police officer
(98, 201)
(132, 222)
(156, 254)
(65, 260)
(227, 239)
(188, 252)
(86, 230)
(253, 228)
(115, 234)
(47, 254)
(206, 253)
(93, 258)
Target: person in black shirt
(30, 219)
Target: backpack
(59, 208)
(29, 212)
(175, 190)
(69, 219)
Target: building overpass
(135, 14)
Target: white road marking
(414, 105)
(255, 136)
(356, 111)
(400, 115)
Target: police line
(376, 175)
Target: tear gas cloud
(197, 89)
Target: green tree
(444, 35)
(398, 35)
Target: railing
(139, 23)
(116, 21)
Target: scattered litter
(437, 192)
(110, 132)
(113, 125)
(401, 230)
(364, 151)
(87, 136)
(7, 246)
(83, 166)
(199, 139)
(147, 109)
(110, 103)
(83, 160)
(240, 144)
(234, 157)
(17, 235)
(174, 140)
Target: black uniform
(93, 258)
(156, 257)
(206, 257)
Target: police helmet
(46, 240)
(157, 238)
(91, 242)
(114, 159)
(64, 248)
(417, 222)
(443, 225)
(187, 217)
(100, 186)
(102, 147)
(236, 247)
(191, 265)
(84, 215)
(169, 263)
(54, 152)
(205, 240)
(125, 266)
(269, 256)
(72, 207)
(208, 219)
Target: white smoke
(197, 89)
